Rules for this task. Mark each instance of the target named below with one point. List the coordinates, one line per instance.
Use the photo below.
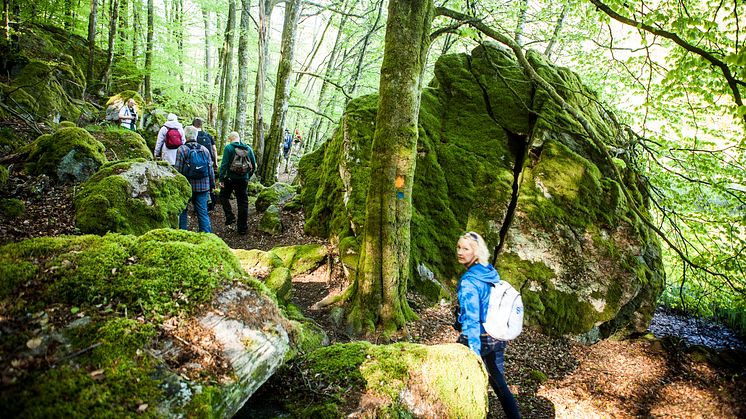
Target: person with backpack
(287, 144)
(128, 115)
(170, 138)
(193, 161)
(236, 167)
(205, 139)
(473, 297)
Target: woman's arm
(468, 298)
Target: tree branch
(314, 111)
(733, 82)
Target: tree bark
(322, 104)
(557, 30)
(122, 30)
(227, 81)
(242, 95)
(113, 21)
(265, 16)
(208, 67)
(364, 48)
(268, 171)
(149, 55)
(92, 20)
(379, 294)
(521, 21)
(136, 30)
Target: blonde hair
(480, 247)
(190, 133)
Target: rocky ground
(552, 377)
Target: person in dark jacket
(201, 187)
(473, 297)
(231, 181)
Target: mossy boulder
(277, 194)
(280, 281)
(11, 207)
(270, 222)
(9, 140)
(120, 143)
(136, 326)
(497, 155)
(258, 263)
(301, 258)
(398, 380)
(131, 197)
(68, 155)
(4, 175)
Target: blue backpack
(197, 162)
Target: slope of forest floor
(551, 377)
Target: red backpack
(173, 138)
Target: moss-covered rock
(4, 175)
(399, 380)
(137, 326)
(277, 195)
(67, 124)
(68, 155)
(9, 140)
(495, 147)
(11, 207)
(131, 197)
(121, 144)
(280, 281)
(301, 258)
(270, 222)
(258, 263)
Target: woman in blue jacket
(473, 297)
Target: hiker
(193, 161)
(287, 144)
(473, 297)
(205, 139)
(170, 138)
(236, 167)
(128, 115)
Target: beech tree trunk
(92, 21)
(149, 55)
(379, 292)
(364, 48)
(265, 16)
(208, 67)
(136, 30)
(242, 94)
(521, 21)
(113, 21)
(557, 29)
(268, 171)
(227, 77)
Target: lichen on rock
(131, 197)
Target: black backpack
(196, 163)
(206, 140)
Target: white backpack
(504, 320)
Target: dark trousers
(492, 352)
(242, 202)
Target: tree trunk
(6, 19)
(265, 16)
(268, 171)
(149, 55)
(364, 48)
(227, 82)
(136, 30)
(379, 293)
(521, 21)
(123, 30)
(322, 104)
(114, 19)
(92, 18)
(557, 30)
(242, 95)
(208, 67)
(179, 24)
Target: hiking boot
(242, 232)
(230, 221)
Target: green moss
(9, 140)
(270, 222)
(538, 376)
(301, 258)
(276, 194)
(70, 155)
(45, 88)
(67, 124)
(131, 197)
(155, 273)
(11, 207)
(4, 175)
(121, 144)
(126, 75)
(280, 282)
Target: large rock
(68, 155)
(120, 143)
(165, 324)
(131, 197)
(497, 155)
(402, 380)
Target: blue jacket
(473, 298)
